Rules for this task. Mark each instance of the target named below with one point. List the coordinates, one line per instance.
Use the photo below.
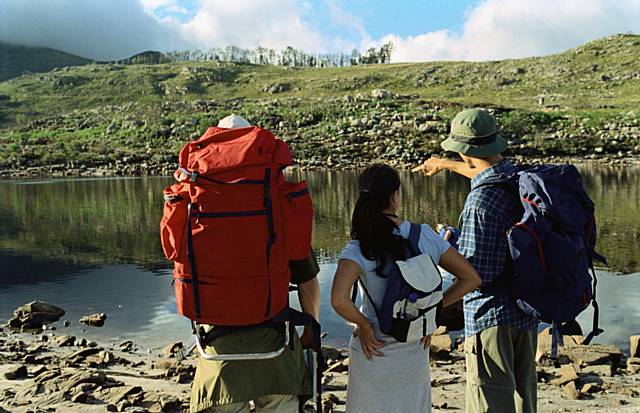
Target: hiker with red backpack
(530, 234)
(393, 264)
(239, 234)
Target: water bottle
(411, 310)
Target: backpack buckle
(191, 175)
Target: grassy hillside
(18, 60)
(132, 119)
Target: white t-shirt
(429, 243)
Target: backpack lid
(220, 150)
(421, 273)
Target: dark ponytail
(375, 232)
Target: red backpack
(231, 226)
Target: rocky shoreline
(326, 134)
(167, 169)
(45, 370)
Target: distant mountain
(18, 60)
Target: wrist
(363, 324)
(441, 164)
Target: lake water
(91, 245)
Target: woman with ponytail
(386, 375)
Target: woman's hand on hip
(370, 344)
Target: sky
(421, 30)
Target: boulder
(634, 348)
(380, 94)
(594, 354)
(164, 365)
(338, 366)
(170, 403)
(633, 365)
(590, 388)
(34, 314)
(332, 354)
(94, 320)
(126, 346)
(441, 346)
(277, 88)
(570, 391)
(81, 355)
(604, 370)
(64, 341)
(79, 397)
(17, 373)
(576, 352)
(170, 349)
(116, 395)
(566, 374)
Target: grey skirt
(398, 382)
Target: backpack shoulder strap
(414, 237)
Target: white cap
(233, 122)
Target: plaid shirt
(484, 221)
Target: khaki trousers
(501, 371)
(274, 403)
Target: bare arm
(467, 279)
(345, 278)
(434, 165)
(309, 297)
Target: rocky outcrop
(94, 320)
(33, 315)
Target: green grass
(583, 89)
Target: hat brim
(477, 151)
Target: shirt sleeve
(432, 243)
(483, 243)
(352, 252)
(304, 270)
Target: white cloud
(498, 29)
(249, 23)
(493, 29)
(99, 29)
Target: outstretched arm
(434, 165)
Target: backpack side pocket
(173, 225)
(297, 213)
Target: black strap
(595, 330)
(366, 292)
(240, 182)
(192, 261)
(475, 140)
(272, 235)
(414, 238)
(354, 293)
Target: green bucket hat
(474, 133)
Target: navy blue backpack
(403, 303)
(552, 246)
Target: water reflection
(92, 245)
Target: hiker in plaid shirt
(501, 340)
